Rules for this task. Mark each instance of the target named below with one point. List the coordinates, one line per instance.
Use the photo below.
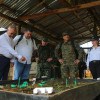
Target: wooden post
(19, 29)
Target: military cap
(64, 33)
(45, 39)
(95, 38)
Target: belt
(94, 61)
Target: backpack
(21, 37)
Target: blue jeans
(21, 70)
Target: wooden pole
(19, 29)
(8, 8)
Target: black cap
(95, 38)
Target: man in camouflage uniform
(68, 57)
(44, 58)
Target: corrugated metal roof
(56, 24)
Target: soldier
(44, 58)
(69, 55)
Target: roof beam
(8, 8)
(66, 4)
(58, 22)
(82, 38)
(82, 21)
(1, 1)
(91, 11)
(67, 23)
(42, 28)
(79, 28)
(93, 14)
(82, 33)
(70, 9)
(15, 21)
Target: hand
(88, 69)
(37, 59)
(76, 61)
(23, 58)
(61, 61)
(12, 64)
(49, 59)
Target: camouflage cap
(45, 39)
(64, 33)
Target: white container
(49, 90)
(35, 91)
(44, 90)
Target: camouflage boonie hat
(65, 33)
(45, 39)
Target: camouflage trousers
(69, 71)
(43, 69)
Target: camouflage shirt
(44, 52)
(68, 53)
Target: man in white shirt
(7, 52)
(24, 45)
